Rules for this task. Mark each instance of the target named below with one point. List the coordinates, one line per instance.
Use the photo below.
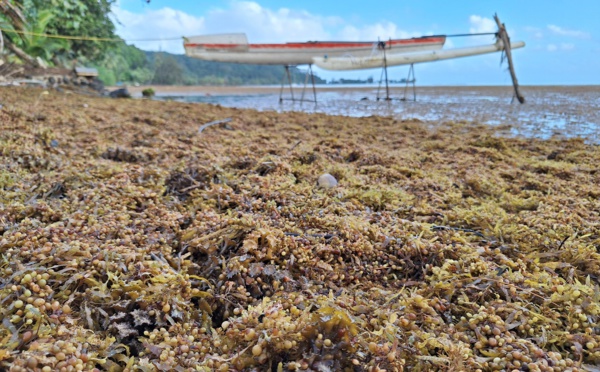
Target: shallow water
(563, 112)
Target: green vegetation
(352, 81)
(128, 64)
(41, 46)
(190, 71)
(124, 63)
(27, 19)
(148, 92)
(79, 18)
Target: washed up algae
(131, 242)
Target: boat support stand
(410, 79)
(382, 46)
(288, 76)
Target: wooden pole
(503, 35)
(312, 77)
(387, 86)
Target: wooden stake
(503, 35)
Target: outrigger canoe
(352, 62)
(235, 48)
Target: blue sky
(562, 37)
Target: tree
(76, 18)
(24, 36)
(81, 18)
(36, 45)
(167, 71)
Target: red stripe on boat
(320, 44)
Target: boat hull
(235, 48)
(397, 59)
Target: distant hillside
(181, 69)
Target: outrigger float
(344, 55)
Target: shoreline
(162, 90)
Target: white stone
(327, 181)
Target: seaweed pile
(131, 242)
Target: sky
(562, 37)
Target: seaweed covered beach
(131, 241)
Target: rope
(85, 38)
(91, 38)
(475, 34)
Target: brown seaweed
(441, 248)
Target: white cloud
(165, 23)
(260, 24)
(565, 47)
(481, 24)
(477, 25)
(537, 32)
(377, 31)
(557, 30)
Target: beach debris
(327, 181)
(210, 124)
(118, 93)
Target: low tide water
(561, 112)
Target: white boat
(344, 55)
(378, 60)
(235, 48)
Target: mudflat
(216, 90)
(133, 241)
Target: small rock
(120, 93)
(327, 181)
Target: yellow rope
(87, 38)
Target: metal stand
(381, 45)
(287, 74)
(410, 79)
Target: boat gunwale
(426, 40)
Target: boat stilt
(287, 79)
(381, 45)
(410, 79)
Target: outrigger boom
(397, 59)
